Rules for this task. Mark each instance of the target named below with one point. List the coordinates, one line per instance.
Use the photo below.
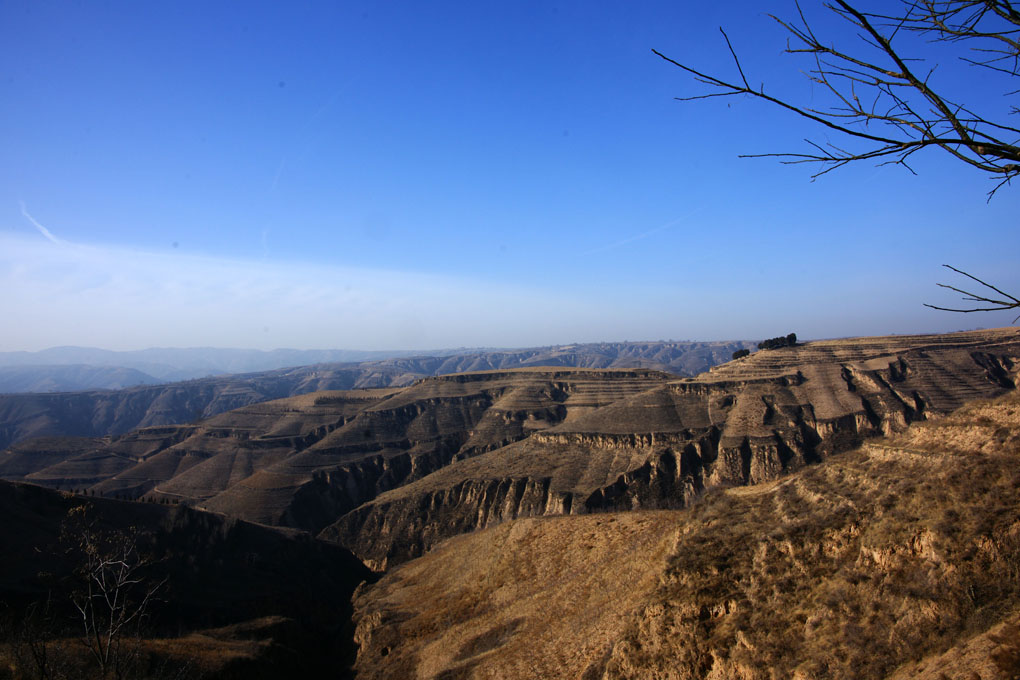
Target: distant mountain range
(71, 378)
(103, 412)
(170, 364)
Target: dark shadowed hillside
(285, 586)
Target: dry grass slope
(897, 560)
(526, 599)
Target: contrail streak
(646, 234)
(42, 230)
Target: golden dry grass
(210, 651)
(898, 560)
(533, 598)
(200, 654)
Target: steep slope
(896, 560)
(746, 422)
(213, 571)
(92, 414)
(306, 460)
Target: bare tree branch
(114, 596)
(880, 98)
(996, 305)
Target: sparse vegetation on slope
(897, 560)
(745, 422)
(850, 569)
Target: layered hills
(70, 378)
(849, 510)
(102, 412)
(169, 364)
(391, 472)
(899, 559)
(746, 422)
(305, 460)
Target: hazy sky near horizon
(402, 175)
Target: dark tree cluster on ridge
(781, 341)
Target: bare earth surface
(900, 559)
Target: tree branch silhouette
(879, 98)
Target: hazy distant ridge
(98, 413)
(70, 378)
(170, 364)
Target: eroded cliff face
(98, 413)
(438, 421)
(305, 461)
(747, 422)
(407, 528)
(390, 472)
(896, 560)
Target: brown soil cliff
(746, 422)
(900, 559)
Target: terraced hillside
(897, 560)
(306, 460)
(98, 413)
(391, 472)
(746, 422)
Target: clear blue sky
(385, 175)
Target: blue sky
(420, 175)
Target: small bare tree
(114, 594)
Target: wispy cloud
(643, 235)
(42, 230)
(126, 298)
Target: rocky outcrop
(897, 560)
(748, 422)
(410, 526)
